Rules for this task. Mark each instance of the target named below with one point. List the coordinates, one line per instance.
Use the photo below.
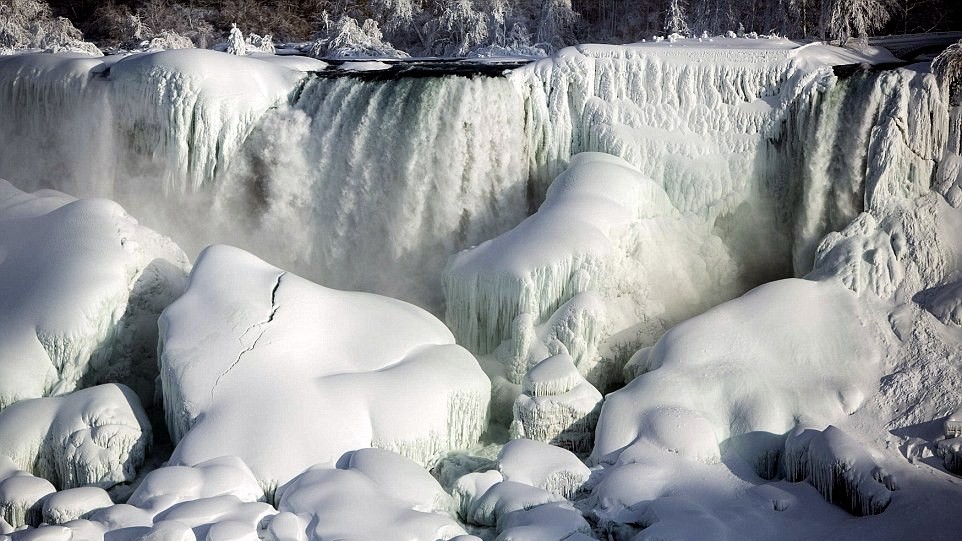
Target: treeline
(455, 26)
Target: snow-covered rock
(840, 468)
(787, 352)
(544, 466)
(950, 450)
(862, 256)
(253, 356)
(83, 284)
(95, 436)
(376, 495)
(486, 498)
(222, 476)
(548, 522)
(74, 503)
(557, 405)
(606, 235)
(21, 499)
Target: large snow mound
(82, 286)
(262, 364)
(96, 436)
(789, 352)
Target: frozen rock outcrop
(347, 383)
(96, 436)
(863, 257)
(557, 406)
(83, 285)
(787, 352)
(376, 494)
(840, 468)
(950, 450)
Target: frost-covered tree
(29, 24)
(948, 68)
(236, 44)
(556, 23)
(856, 18)
(396, 15)
(347, 39)
(459, 28)
(675, 18)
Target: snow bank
(96, 436)
(83, 285)
(252, 355)
(74, 503)
(787, 352)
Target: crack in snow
(261, 326)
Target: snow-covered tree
(948, 68)
(29, 24)
(236, 44)
(459, 28)
(856, 18)
(675, 18)
(555, 25)
(347, 39)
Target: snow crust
(96, 436)
(83, 285)
(346, 384)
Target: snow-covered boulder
(548, 522)
(21, 498)
(375, 495)
(83, 284)
(74, 503)
(544, 466)
(170, 485)
(557, 405)
(604, 229)
(262, 364)
(486, 498)
(95, 436)
(840, 468)
(787, 352)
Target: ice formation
(840, 468)
(788, 351)
(83, 285)
(346, 383)
(96, 436)
(170, 485)
(557, 405)
(21, 496)
(485, 499)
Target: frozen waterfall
(373, 184)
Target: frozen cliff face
(83, 285)
(96, 436)
(786, 352)
(252, 356)
(605, 264)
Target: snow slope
(252, 356)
